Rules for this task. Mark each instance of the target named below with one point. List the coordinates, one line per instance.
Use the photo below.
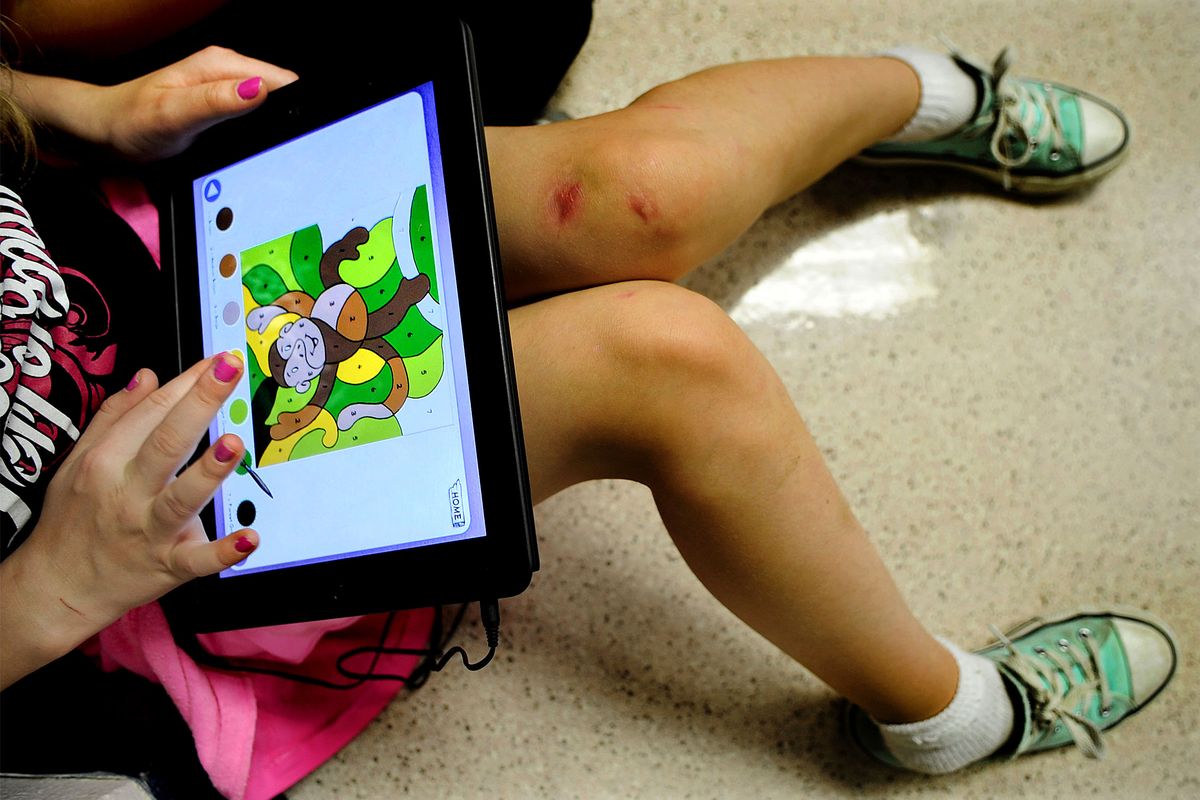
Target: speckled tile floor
(1008, 392)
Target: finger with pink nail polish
(249, 88)
(227, 366)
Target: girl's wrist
(40, 621)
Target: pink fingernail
(226, 368)
(133, 382)
(243, 544)
(223, 452)
(248, 89)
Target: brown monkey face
(302, 348)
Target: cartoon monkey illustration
(330, 329)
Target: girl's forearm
(70, 106)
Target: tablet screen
(326, 265)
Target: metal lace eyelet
(1041, 651)
(1058, 728)
(1085, 632)
(1106, 712)
(1054, 155)
(1049, 87)
(1033, 143)
(1064, 645)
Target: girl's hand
(158, 115)
(118, 527)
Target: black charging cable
(435, 657)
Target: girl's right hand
(157, 115)
(118, 528)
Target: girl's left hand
(158, 115)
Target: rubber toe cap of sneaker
(1151, 657)
(1104, 131)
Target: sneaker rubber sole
(1022, 184)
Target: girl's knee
(661, 331)
(681, 380)
(674, 351)
(627, 380)
(639, 195)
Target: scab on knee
(643, 206)
(567, 201)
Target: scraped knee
(639, 198)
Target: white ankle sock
(949, 96)
(976, 723)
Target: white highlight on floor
(872, 268)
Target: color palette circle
(228, 265)
(231, 313)
(238, 411)
(224, 218)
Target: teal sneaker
(1072, 677)
(1028, 135)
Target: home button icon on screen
(212, 190)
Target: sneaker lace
(1053, 696)
(1024, 116)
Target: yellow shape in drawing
(248, 301)
(360, 367)
(279, 451)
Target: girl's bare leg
(654, 189)
(654, 383)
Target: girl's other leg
(635, 381)
(650, 382)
